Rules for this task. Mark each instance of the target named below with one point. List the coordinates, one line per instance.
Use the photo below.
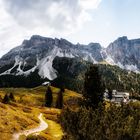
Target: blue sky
(112, 18)
(81, 21)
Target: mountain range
(39, 53)
(38, 56)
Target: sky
(82, 21)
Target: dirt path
(42, 126)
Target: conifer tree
(59, 101)
(93, 87)
(48, 97)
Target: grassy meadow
(23, 113)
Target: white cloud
(89, 4)
(22, 18)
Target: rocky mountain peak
(123, 39)
(38, 53)
(125, 53)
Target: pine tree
(6, 99)
(59, 101)
(93, 87)
(48, 97)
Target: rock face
(125, 53)
(38, 53)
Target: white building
(47, 83)
(119, 97)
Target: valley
(69, 70)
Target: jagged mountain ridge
(39, 52)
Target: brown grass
(22, 114)
(14, 119)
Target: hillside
(23, 114)
(71, 73)
(14, 118)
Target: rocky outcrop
(125, 53)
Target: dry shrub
(27, 110)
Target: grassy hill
(35, 96)
(15, 117)
(23, 114)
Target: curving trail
(42, 126)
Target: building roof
(122, 93)
(118, 96)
